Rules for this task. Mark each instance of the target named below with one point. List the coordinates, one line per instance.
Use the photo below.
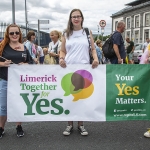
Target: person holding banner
(75, 50)
(12, 51)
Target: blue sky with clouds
(57, 11)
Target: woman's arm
(62, 54)
(94, 54)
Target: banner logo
(79, 84)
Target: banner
(52, 93)
(78, 93)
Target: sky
(57, 12)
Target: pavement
(121, 135)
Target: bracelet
(61, 58)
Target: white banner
(52, 93)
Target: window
(136, 36)
(128, 23)
(128, 34)
(137, 21)
(147, 19)
(146, 34)
(116, 25)
(138, 47)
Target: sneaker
(1, 132)
(68, 130)
(82, 130)
(147, 134)
(20, 132)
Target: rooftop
(131, 6)
(136, 2)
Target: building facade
(137, 19)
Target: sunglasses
(12, 33)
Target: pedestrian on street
(118, 44)
(30, 46)
(130, 50)
(54, 46)
(75, 50)
(145, 44)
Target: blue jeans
(3, 97)
(114, 61)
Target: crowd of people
(71, 47)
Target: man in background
(130, 50)
(145, 44)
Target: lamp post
(98, 32)
(26, 21)
(102, 32)
(13, 11)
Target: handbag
(49, 59)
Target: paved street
(126, 135)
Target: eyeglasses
(74, 17)
(12, 33)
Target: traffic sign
(44, 21)
(102, 23)
(44, 28)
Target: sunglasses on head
(12, 33)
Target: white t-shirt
(40, 50)
(77, 48)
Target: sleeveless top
(77, 48)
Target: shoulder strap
(88, 37)
(25, 48)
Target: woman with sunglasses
(12, 51)
(75, 50)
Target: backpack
(107, 48)
(90, 48)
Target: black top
(15, 56)
(118, 40)
(130, 47)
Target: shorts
(130, 56)
(3, 97)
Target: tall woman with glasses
(75, 50)
(11, 51)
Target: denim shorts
(3, 97)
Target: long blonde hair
(6, 38)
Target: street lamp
(102, 32)
(98, 32)
(26, 20)
(13, 11)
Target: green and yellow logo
(79, 84)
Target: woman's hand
(95, 63)
(35, 60)
(62, 63)
(6, 63)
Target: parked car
(137, 52)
